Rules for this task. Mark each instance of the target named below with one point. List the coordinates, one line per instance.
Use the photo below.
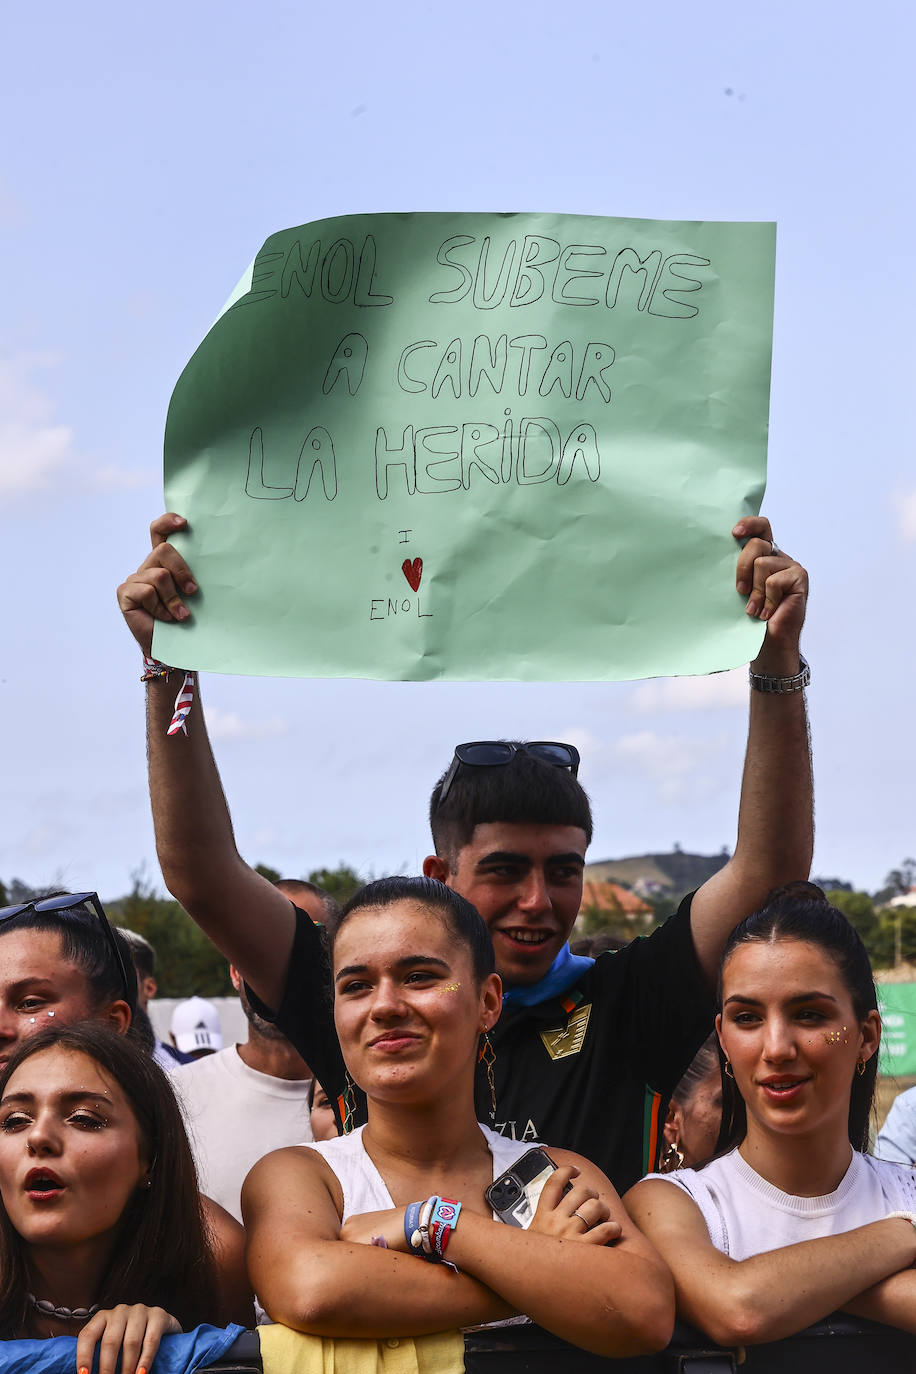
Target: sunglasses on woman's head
(495, 753)
(80, 903)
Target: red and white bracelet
(152, 670)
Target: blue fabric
(565, 970)
(177, 1354)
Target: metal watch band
(781, 686)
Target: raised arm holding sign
(579, 1065)
(497, 447)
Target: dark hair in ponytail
(801, 911)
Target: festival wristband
(428, 1226)
(152, 671)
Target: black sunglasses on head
(494, 753)
(88, 904)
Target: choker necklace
(63, 1314)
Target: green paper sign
(476, 446)
(897, 1004)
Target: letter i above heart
(413, 572)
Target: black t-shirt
(589, 1071)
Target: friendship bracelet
(428, 1226)
(153, 670)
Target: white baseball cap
(196, 1026)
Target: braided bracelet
(153, 670)
(428, 1226)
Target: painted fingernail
(141, 1369)
(181, 613)
(83, 1370)
(743, 589)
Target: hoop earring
(860, 1067)
(672, 1159)
(487, 1056)
(728, 1069)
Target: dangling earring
(348, 1102)
(728, 1069)
(487, 1056)
(860, 1067)
(672, 1159)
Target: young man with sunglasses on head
(586, 1052)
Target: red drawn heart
(413, 572)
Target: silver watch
(781, 686)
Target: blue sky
(148, 154)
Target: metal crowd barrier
(837, 1345)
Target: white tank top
(364, 1189)
(745, 1215)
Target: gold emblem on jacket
(560, 1044)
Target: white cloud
(229, 725)
(111, 478)
(36, 451)
(710, 693)
(678, 768)
(588, 745)
(906, 514)
(32, 447)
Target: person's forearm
(775, 838)
(194, 839)
(892, 1301)
(606, 1299)
(777, 771)
(316, 1291)
(777, 1293)
(246, 917)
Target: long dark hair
(163, 1254)
(801, 911)
(462, 919)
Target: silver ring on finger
(775, 550)
(581, 1218)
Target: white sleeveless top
(364, 1189)
(745, 1215)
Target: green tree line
(187, 963)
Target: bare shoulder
(293, 1180)
(588, 1172)
(660, 1207)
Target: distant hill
(662, 875)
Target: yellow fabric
(291, 1352)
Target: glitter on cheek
(449, 987)
(836, 1037)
